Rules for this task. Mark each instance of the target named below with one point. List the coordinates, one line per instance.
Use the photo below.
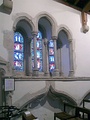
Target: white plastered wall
(81, 43)
(64, 16)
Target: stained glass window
(51, 56)
(39, 52)
(18, 51)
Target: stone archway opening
(44, 105)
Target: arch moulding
(23, 16)
(70, 38)
(51, 20)
(67, 30)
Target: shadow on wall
(50, 100)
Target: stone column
(29, 66)
(46, 58)
(71, 72)
(2, 92)
(56, 71)
(60, 62)
(35, 70)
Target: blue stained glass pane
(38, 45)
(51, 44)
(18, 52)
(18, 65)
(18, 38)
(39, 54)
(51, 51)
(32, 54)
(51, 59)
(39, 65)
(39, 35)
(18, 56)
(32, 44)
(52, 66)
(51, 56)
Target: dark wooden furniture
(85, 101)
(64, 115)
(80, 110)
(9, 112)
(76, 118)
(4, 113)
(86, 111)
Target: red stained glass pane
(18, 51)
(51, 51)
(18, 47)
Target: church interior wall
(63, 16)
(78, 37)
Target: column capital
(35, 32)
(70, 40)
(54, 37)
(14, 28)
(45, 41)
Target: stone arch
(45, 95)
(70, 39)
(67, 30)
(51, 20)
(64, 96)
(23, 16)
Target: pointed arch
(50, 18)
(70, 50)
(23, 16)
(23, 24)
(67, 31)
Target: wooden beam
(84, 18)
(87, 7)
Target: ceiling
(81, 5)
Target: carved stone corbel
(85, 27)
(8, 3)
(7, 6)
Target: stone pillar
(46, 58)
(29, 59)
(60, 62)
(9, 98)
(35, 70)
(2, 92)
(56, 71)
(71, 72)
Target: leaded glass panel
(51, 56)
(18, 52)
